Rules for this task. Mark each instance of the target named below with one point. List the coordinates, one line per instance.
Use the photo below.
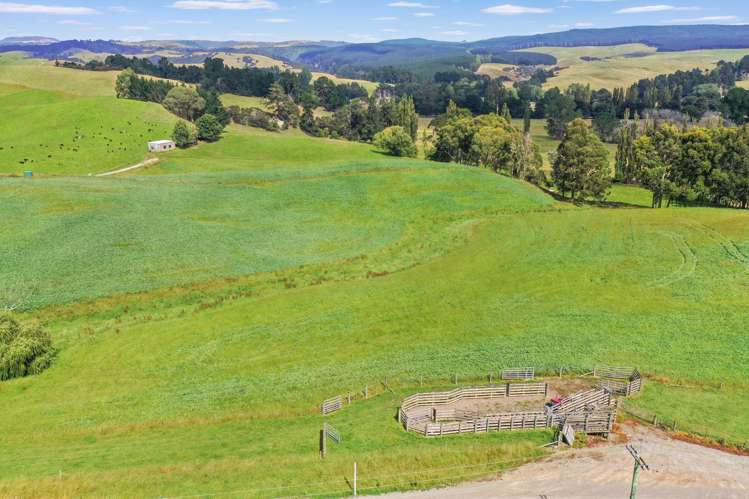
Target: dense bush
(183, 135)
(23, 351)
(252, 116)
(396, 141)
(209, 128)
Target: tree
(183, 135)
(283, 107)
(395, 140)
(625, 149)
(23, 351)
(209, 128)
(214, 106)
(527, 120)
(581, 164)
(406, 116)
(124, 83)
(185, 102)
(560, 110)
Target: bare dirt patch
(678, 470)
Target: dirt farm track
(678, 470)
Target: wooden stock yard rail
(624, 381)
(425, 413)
(332, 405)
(430, 414)
(522, 373)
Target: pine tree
(527, 120)
(506, 113)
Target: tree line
(705, 166)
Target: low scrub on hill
(23, 350)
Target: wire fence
(670, 423)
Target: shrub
(253, 116)
(209, 128)
(183, 134)
(23, 351)
(395, 141)
(185, 102)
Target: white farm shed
(161, 145)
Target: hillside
(62, 121)
(203, 308)
(624, 65)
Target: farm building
(161, 145)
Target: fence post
(560, 371)
(355, 478)
(322, 440)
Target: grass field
(65, 122)
(623, 65)
(548, 144)
(244, 101)
(203, 309)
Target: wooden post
(355, 478)
(349, 398)
(490, 378)
(635, 476)
(639, 464)
(560, 372)
(655, 420)
(322, 440)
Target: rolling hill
(205, 307)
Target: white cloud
(277, 20)
(412, 5)
(121, 9)
(25, 8)
(384, 18)
(512, 10)
(424, 14)
(185, 22)
(73, 22)
(225, 5)
(645, 9)
(706, 19)
(466, 23)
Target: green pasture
(343, 277)
(623, 65)
(203, 308)
(67, 122)
(547, 144)
(243, 101)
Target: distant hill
(418, 55)
(664, 38)
(62, 49)
(27, 40)
(404, 52)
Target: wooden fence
(472, 393)
(484, 424)
(332, 405)
(583, 401)
(598, 420)
(520, 373)
(624, 381)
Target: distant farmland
(623, 65)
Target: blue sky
(348, 20)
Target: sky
(347, 20)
